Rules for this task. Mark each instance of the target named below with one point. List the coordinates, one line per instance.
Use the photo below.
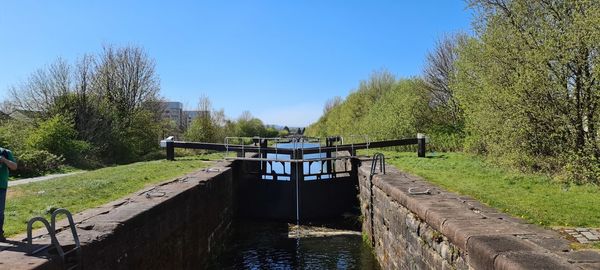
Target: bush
(444, 141)
(582, 168)
(13, 134)
(155, 155)
(37, 162)
(57, 135)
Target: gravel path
(37, 179)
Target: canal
(265, 245)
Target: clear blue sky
(281, 60)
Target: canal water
(262, 245)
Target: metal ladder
(381, 158)
(67, 262)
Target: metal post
(170, 150)
(421, 140)
(328, 143)
(263, 151)
(167, 143)
(297, 173)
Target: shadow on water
(268, 245)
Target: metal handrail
(381, 158)
(77, 247)
(51, 228)
(51, 232)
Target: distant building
(173, 110)
(25, 115)
(191, 115)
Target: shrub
(37, 162)
(582, 168)
(57, 135)
(13, 134)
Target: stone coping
(100, 222)
(491, 239)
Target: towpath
(41, 178)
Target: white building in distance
(173, 110)
(191, 115)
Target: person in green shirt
(7, 161)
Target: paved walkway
(584, 235)
(37, 179)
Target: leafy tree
(271, 132)
(105, 96)
(283, 133)
(202, 129)
(342, 118)
(400, 113)
(250, 127)
(529, 84)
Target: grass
(535, 198)
(90, 189)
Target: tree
(203, 127)
(125, 78)
(332, 103)
(40, 91)
(438, 74)
(248, 126)
(530, 84)
(106, 96)
(399, 113)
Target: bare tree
(6, 107)
(87, 114)
(246, 116)
(439, 72)
(43, 87)
(204, 105)
(380, 82)
(219, 118)
(332, 103)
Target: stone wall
(443, 230)
(178, 224)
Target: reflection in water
(269, 246)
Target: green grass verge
(535, 198)
(90, 189)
